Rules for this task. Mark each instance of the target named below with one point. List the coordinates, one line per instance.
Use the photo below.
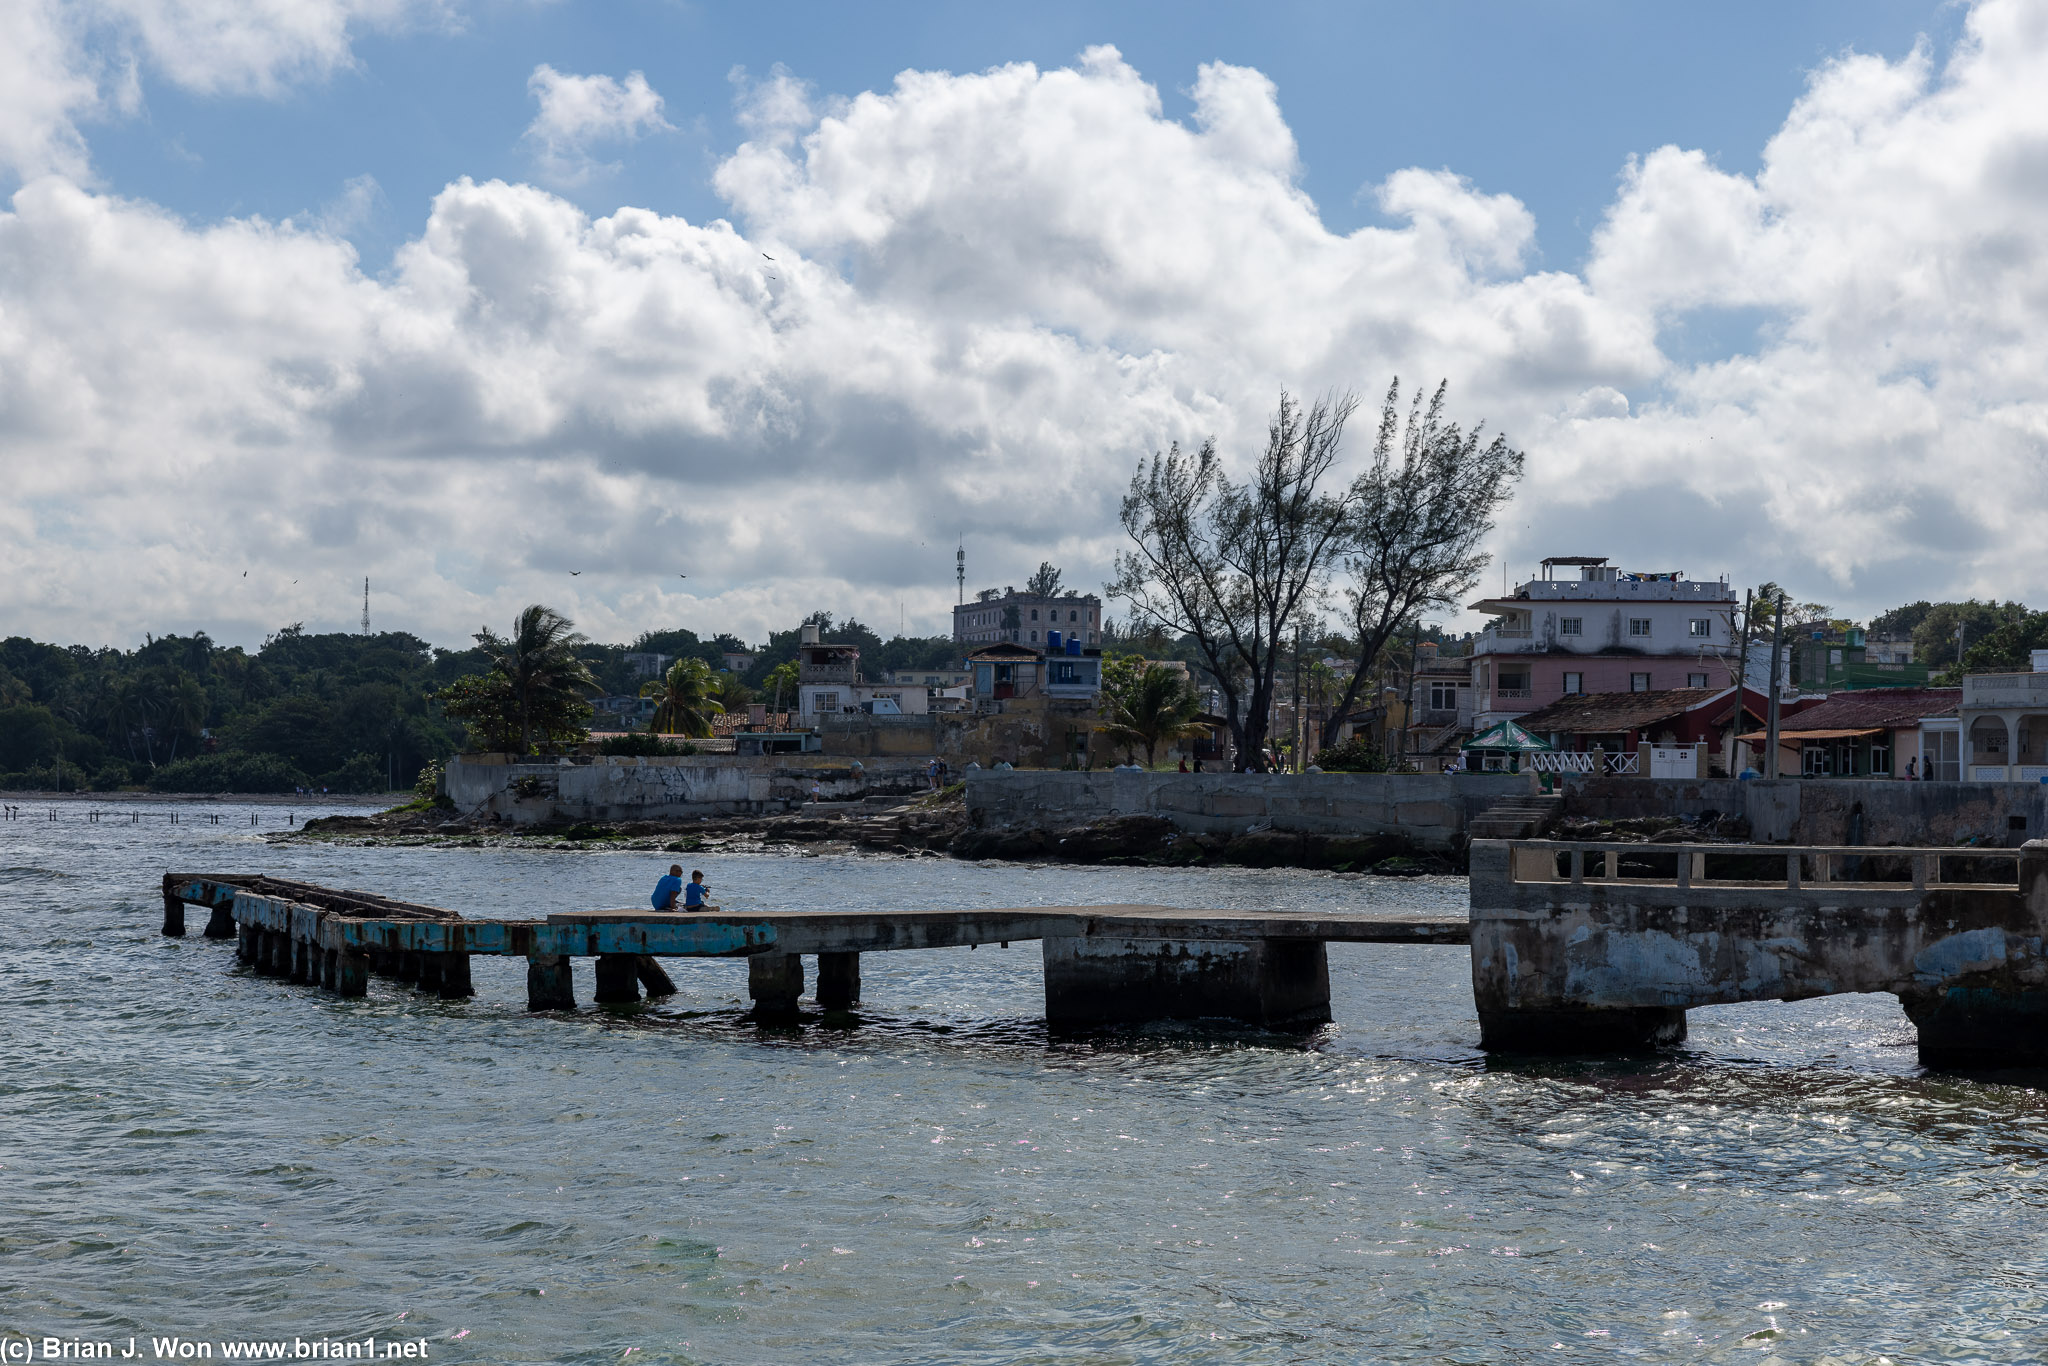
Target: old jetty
(1575, 947)
(1103, 964)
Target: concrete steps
(1516, 818)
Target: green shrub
(362, 773)
(1356, 755)
(228, 773)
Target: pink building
(1600, 630)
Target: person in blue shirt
(694, 894)
(665, 890)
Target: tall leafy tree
(1417, 516)
(1227, 565)
(1045, 583)
(685, 699)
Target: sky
(710, 315)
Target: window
(1574, 684)
(1065, 671)
(1696, 680)
(828, 701)
(1034, 634)
(1034, 617)
(1443, 697)
(1638, 682)
(1639, 626)
(1073, 615)
(1699, 628)
(1571, 626)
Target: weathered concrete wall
(611, 788)
(1431, 810)
(1032, 732)
(1823, 810)
(1598, 964)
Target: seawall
(1429, 811)
(1827, 810)
(613, 788)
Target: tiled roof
(1601, 712)
(1873, 708)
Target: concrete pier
(1104, 964)
(1597, 948)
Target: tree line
(353, 713)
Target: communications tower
(960, 569)
(366, 604)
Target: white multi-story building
(1598, 631)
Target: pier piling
(838, 980)
(174, 915)
(775, 981)
(455, 980)
(617, 982)
(549, 985)
(653, 976)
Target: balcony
(2005, 690)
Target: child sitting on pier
(665, 891)
(696, 892)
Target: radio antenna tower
(366, 605)
(960, 569)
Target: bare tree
(1228, 565)
(1418, 515)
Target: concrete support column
(775, 981)
(1278, 983)
(455, 980)
(1621, 1029)
(405, 965)
(276, 959)
(429, 971)
(653, 976)
(302, 962)
(174, 915)
(221, 924)
(351, 973)
(838, 980)
(327, 959)
(245, 944)
(549, 984)
(617, 976)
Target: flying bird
(574, 572)
(245, 573)
(769, 257)
(682, 576)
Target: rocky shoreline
(938, 826)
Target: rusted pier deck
(1103, 964)
(1598, 947)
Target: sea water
(194, 1157)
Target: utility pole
(1771, 729)
(1300, 759)
(1741, 674)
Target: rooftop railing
(1785, 868)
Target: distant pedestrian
(1183, 765)
(1913, 767)
(1198, 763)
(695, 894)
(815, 792)
(669, 888)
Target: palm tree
(686, 701)
(539, 662)
(1157, 708)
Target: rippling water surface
(189, 1149)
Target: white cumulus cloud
(580, 112)
(989, 295)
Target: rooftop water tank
(1074, 645)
